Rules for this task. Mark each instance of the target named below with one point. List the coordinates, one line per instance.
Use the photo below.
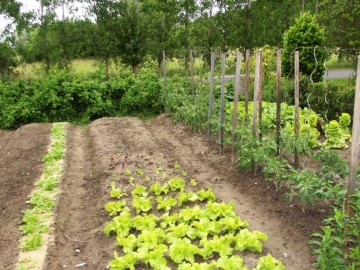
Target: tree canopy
(130, 31)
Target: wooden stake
(223, 56)
(256, 92)
(247, 81)
(236, 102)
(165, 82)
(211, 97)
(296, 118)
(192, 71)
(278, 100)
(260, 96)
(354, 161)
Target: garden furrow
(77, 224)
(21, 153)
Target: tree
(10, 8)
(104, 36)
(161, 20)
(187, 12)
(132, 34)
(340, 19)
(308, 38)
(7, 59)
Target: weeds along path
(21, 153)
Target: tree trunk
(107, 64)
(136, 68)
(159, 64)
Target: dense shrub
(330, 98)
(305, 35)
(143, 95)
(65, 97)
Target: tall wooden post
(278, 100)
(165, 80)
(354, 161)
(236, 102)
(192, 71)
(296, 117)
(247, 81)
(256, 92)
(260, 96)
(211, 97)
(222, 114)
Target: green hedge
(65, 97)
(329, 98)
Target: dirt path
(79, 239)
(21, 153)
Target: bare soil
(98, 154)
(21, 153)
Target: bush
(305, 35)
(330, 98)
(65, 97)
(143, 95)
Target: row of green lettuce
(62, 96)
(338, 245)
(173, 224)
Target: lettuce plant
(334, 135)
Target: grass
(335, 63)
(78, 67)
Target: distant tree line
(132, 30)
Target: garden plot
(100, 153)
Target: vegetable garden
(148, 194)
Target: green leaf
(206, 195)
(268, 262)
(126, 262)
(247, 240)
(113, 208)
(165, 204)
(176, 183)
(182, 250)
(142, 204)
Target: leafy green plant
(113, 208)
(332, 164)
(184, 197)
(165, 204)
(182, 250)
(140, 191)
(47, 183)
(330, 245)
(142, 204)
(158, 189)
(206, 195)
(176, 183)
(32, 242)
(334, 136)
(115, 192)
(184, 236)
(269, 262)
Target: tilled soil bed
(98, 153)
